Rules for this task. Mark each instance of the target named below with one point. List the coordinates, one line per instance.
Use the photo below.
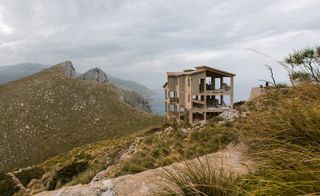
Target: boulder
(68, 69)
(94, 74)
(101, 188)
(229, 115)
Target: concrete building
(198, 94)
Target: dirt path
(232, 159)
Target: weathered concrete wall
(195, 82)
(188, 104)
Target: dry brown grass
(47, 114)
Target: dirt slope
(232, 159)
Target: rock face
(229, 115)
(68, 69)
(136, 100)
(130, 97)
(232, 159)
(95, 74)
(256, 92)
(101, 188)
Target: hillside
(49, 113)
(278, 129)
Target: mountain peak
(68, 69)
(95, 74)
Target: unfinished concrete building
(198, 94)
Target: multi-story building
(198, 94)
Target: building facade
(198, 94)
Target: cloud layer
(162, 35)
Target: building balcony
(210, 89)
(174, 100)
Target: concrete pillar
(205, 94)
(231, 91)
(213, 83)
(221, 96)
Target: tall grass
(283, 133)
(200, 177)
(283, 136)
(165, 148)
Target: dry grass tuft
(200, 177)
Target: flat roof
(200, 69)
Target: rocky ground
(232, 159)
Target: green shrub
(67, 173)
(26, 175)
(7, 186)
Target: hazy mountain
(130, 85)
(48, 113)
(14, 72)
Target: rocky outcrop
(232, 159)
(101, 188)
(68, 69)
(256, 92)
(229, 115)
(130, 97)
(136, 100)
(94, 74)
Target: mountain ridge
(55, 113)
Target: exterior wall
(195, 82)
(188, 94)
(181, 89)
(172, 83)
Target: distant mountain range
(13, 72)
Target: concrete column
(213, 83)
(231, 91)
(221, 96)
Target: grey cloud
(157, 35)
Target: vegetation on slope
(151, 148)
(283, 136)
(282, 133)
(164, 146)
(47, 114)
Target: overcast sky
(131, 38)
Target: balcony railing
(224, 88)
(174, 99)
